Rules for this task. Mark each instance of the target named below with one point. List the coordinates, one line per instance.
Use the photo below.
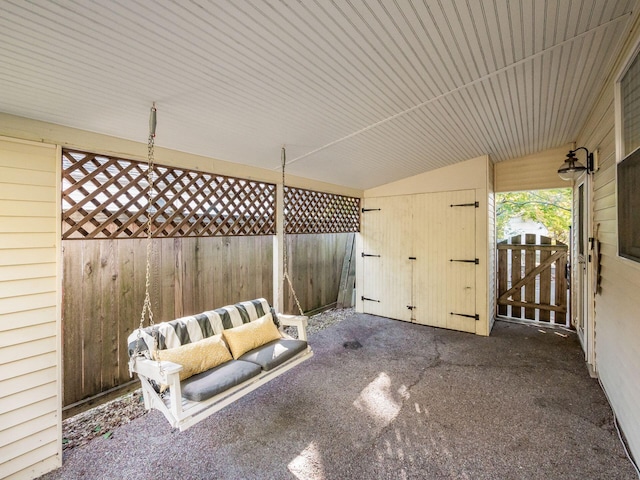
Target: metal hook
(152, 121)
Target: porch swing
(191, 367)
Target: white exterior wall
(617, 321)
(469, 175)
(30, 387)
(532, 172)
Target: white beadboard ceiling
(362, 92)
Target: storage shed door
(445, 251)
(419, 252)
(386, 249)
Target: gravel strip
(101, 420)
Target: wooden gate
(532, 282)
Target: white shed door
(445, 269)
(386, 251)
(419, 252)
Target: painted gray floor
(412, 402)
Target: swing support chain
(285, 260)
(146, 307)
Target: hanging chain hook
(146, 307)
(285, 260)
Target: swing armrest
(298, 321)
(162, 372)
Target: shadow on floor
(409, 402)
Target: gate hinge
(476, 316)
(474, 204)
(369, 255)
(364, 210)
(411, 307)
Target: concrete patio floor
(411, 402)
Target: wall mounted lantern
(571, 169)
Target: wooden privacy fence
(532, 281)
(315, 267)
(103, 291)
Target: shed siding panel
(491, 254)
(532, 172)
(617, 327)
(30, 427)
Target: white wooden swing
(181, 408)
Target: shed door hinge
(365, 210)
(476, 316)
(369, 255)
(411, 307)
(474, 204)
(369, 299)
(475, 260)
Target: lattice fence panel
(106, 197)
(308, 211)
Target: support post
(278, 252)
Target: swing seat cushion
(205, 385)
(274, 353)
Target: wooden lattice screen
(308, 211)
(106, 197)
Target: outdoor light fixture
(571, 169)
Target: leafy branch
(551, 208)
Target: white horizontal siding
(22, 304)
(26, 318)
(17, 336)
(37, 256)
(41, 458)
(532, 172)
(24, 398)
(27, 428)
(24, 366)
(27, 271)
(27, 350)
(28, 381)
(30, 427)
(617, 323)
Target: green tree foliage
(552, 208)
